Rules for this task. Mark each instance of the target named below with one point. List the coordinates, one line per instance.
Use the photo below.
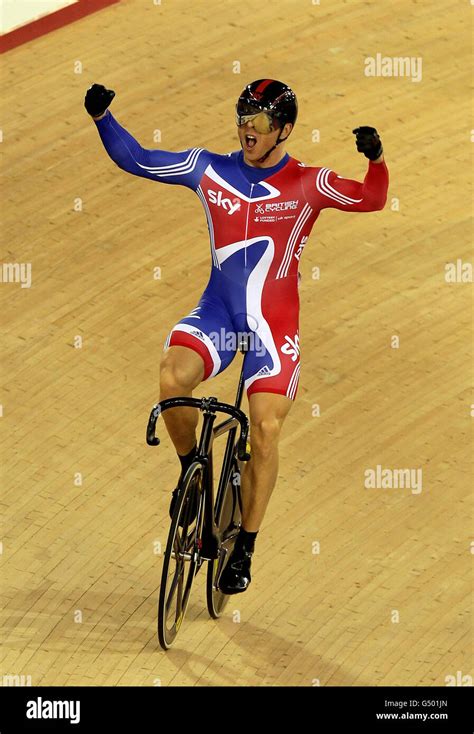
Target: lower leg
(181, 426)
(267, 414)
(258, 481)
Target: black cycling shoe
(235, 577)
(192, 497)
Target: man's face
(255, 144)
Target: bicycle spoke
(179, 600)
(176, 576)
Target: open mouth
(250, 141)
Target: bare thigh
(181, 370)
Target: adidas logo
(264, 371)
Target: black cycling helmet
(271, 96)
(274, 98)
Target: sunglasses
(264, 122)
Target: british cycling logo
(291, 347)
(276, 206)
(217, 197)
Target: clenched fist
(368, 142)
(97, 99)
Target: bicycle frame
(209, 407)
(231, 427)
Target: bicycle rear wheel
(229, 525)
(182, 556)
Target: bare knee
(180, 372)
(264, 435)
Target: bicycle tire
(183, 546)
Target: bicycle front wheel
(182, 556)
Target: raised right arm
(185, 167)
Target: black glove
(97, 99)
(368, 142)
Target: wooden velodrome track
(80, 571)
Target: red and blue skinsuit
(259, 221)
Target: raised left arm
(353, 196)
(345, 194)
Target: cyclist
(260, 205)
